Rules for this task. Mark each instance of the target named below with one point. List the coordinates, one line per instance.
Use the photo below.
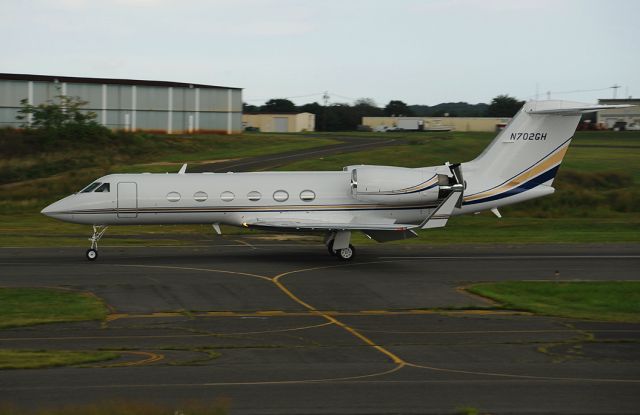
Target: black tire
(347, 254)
(92, 254)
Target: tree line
(344, 117)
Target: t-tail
(523, 160)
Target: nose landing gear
(98, 231)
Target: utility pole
(615, 90)
(325, 99)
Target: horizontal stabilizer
(576, 110)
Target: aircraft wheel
(347, 254)
(92, 254)
(330, 249)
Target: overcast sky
(421, 52)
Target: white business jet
(385, 203)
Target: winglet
(183, 169)
(441, 214)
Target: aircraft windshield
(104, 188)
(90, 188)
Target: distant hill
(454, 109)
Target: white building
(280, 123)
(627, 117)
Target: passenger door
(127, 200)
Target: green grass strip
(35, 359)
(28, 306)
(593, 300)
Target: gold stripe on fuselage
(533, 171)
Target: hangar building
(627, 117)
(131, 105)
(454, 123)
(280, 123)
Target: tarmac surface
(283, 328)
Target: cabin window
(227, 196)
(254, 196)
(307, 195)
(280, 196)
(90, 188)
(173, 196)
(104, 188)
(200, 196)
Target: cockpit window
(105, 187)
(90, 188)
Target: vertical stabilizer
(526, 154)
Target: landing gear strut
(347, 252)
(98, 231)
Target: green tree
(397, 109)
(278, 105)
(504, 106)
(340, 117)
(248, 108)
(61, 119)
(59, 113)
(366, 102)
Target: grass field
(36, 359)
(593, 300)
(597, 198)
(28, 306)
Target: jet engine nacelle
(393, 185)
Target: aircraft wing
(436, 219)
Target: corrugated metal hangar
(131, 105)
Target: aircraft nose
(52, 209)
(47, 210)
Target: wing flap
(304, 224)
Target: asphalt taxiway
(284, 328)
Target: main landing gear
(98, 231)
(338, 245)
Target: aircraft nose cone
(47, 210)
(51, 209)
